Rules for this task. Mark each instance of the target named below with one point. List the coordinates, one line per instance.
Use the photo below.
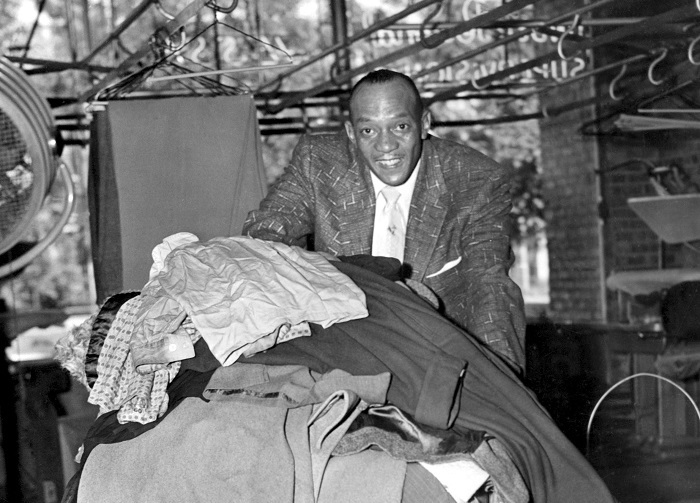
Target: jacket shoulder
(324, 145)
(450, 149)
(455, 157)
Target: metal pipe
(303, 128)
(511, 37)
(640, 100)
(70, 28)
(42, 4)
(517, 118)
(431, 41)
(340, 33)
(86, 24)
(519, 23)
(672, 15)
(358, 36)
(486, 120)
(207, 73)
(590, 73)
(217, 48)
(51, 65)
(133, 16)
(298, 130)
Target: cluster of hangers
(623, 119)
(639, 110)
(170, 64)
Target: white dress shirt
(379, 234)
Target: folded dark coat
(407, 337)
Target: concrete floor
(644, 480)
(648, 473)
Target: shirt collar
(405, 189)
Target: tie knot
(391, 194)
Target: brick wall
(573, 233)
(569, 162)
(629, 244)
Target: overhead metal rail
(49, 66)
(432, 41)
(671, 16)
(381, 25)
(511, 38)
(519, 23)
(46, 66)
(683, 75)
(628, 38)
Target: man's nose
(386, 142)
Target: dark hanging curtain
(163, 166)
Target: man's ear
(350, 131)
(425, 124)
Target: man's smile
(388, 163)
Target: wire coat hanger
(230, 70)
(614, 81)
(165, 51)
(569, 31)
(652, 66)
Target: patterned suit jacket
(457, 239)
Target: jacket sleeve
(286, 214)
(481, 297)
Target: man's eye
(366, 131)
(402, 127)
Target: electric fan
(28, 164)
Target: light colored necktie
(395, 223)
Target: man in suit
(451, 216)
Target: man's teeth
(389, 162)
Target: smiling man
(388, 125)
(385, 187)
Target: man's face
(388, 128)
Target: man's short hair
(382, 77)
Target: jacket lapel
(428, 211)
(355, 210)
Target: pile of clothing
(283, 376)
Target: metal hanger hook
(161, 39)
(166, 14)
(476, 86)
(430, 16)
(691, 48)
(569, 31)
(226, 10)
(652, 66)
(613, 83)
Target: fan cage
(27, 161)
